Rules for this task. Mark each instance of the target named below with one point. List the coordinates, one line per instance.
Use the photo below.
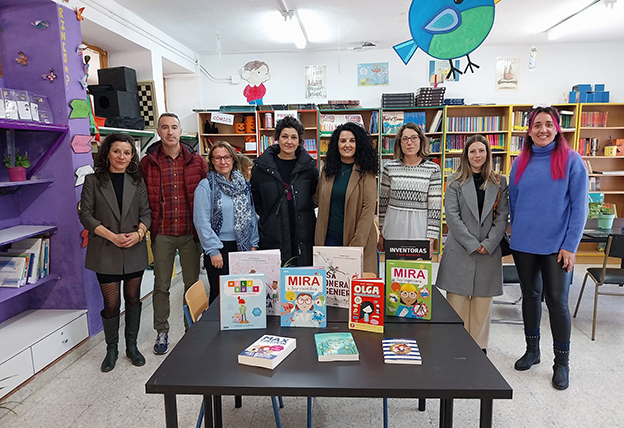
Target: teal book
(408, 289)
(417, 117)
(336, 347)
(242, 301)
(303, 297)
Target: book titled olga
(267, 262)
(366, 311)
(303, 297)
(342, 264)
(268, 351)
(242, 301)
(408, 289)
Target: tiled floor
(74, 393)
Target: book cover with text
(336, 347)
(408, 289)
(366, 310)
(242, 301)
(267, 262)
(341, 265)
(268, 351)
(303, 297)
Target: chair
(510, 277)
(196, 303)
(604, 276)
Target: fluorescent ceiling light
(294, 26)
(575, 22)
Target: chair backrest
(196, 300)
(616, 249)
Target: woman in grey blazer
(115, 211)
(476, 206)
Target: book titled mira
(268, 351)
(303, 297)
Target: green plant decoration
(20, 160)
(3, 404)
(596, 208)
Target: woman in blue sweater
(548, 188)
(223, 213)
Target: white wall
(559, 67)
(183, 95)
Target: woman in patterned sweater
(411, 190)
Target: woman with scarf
(224, 214)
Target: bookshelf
(309, 120)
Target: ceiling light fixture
(565, 26)
(294, 25)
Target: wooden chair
(604, 276)
(196, 303)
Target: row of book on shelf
(520, 120)
(590, 119)
(25, 262)
(457, 142)
(268, 140)
(452, 163)
(258, 286)
(474, 124)
(591, 147)
(387, 145)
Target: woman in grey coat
(476, 206)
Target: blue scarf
(238, 189)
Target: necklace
(345, 170)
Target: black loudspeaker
(116, 103)
(121, 78)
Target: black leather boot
(111, 336)
(133, 320)
(561, 370)
(531, 356)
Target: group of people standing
(193, 206)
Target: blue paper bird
(447, 29)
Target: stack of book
(406, 99)
(428, 96)
(25, 262)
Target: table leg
(486, 413)
(422, 403)
(218, 416)
(171, 411)
(238, 401)
(208, 418)
(446, 413)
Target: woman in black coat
(283, 182)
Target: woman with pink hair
(548, 188)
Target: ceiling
(246, 26)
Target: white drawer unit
(59, 342)
(15, 371)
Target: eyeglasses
(413, 139)
(218, 159)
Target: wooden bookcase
(309, 120)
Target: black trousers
(542, 274)
(214, 273)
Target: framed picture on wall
(373, 74)
(316, 81)
(507, 73)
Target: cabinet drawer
(59, 342)
(18, 369)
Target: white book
(267, 262)
(268, 351)
(13, 271)
(32, 245)
(341, 264)
(435, 123)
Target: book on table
(407, 249)
(408, 289)
(268, 351)
(401, 351)
(303, 297)
(242, 301)
(267, 262)
(336, 347)
(366, 310)
(341, 265)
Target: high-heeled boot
(561, 370)
(531, 356)
(133, 321)
(111, 336)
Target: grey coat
(463, 270)
(98, 206)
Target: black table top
(442, 313)
(591, 233)
(205, 362)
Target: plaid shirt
(177, 219)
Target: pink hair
(559, 157)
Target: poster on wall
(373, 74)
(316, 81)
(439, 70)
(507, 69)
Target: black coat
(272, 206)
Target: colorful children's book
(366, 311)
(401, 351)
(242, 301)
(341, 264)
(267, 262)
(303, 297)
(268, 351)
(392, 121)
(336, 347)
(406, 249)
(408, 289)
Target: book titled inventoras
(407, 249)
(336, 347)
(242, 302)
(401, 351)
(341, 265)
(366, 310)
(268, 351)
(408, 289)
(303, 297)
(267, 262)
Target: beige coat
(359, 228)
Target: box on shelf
(582, 87)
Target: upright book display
(341, 265)
(366, 310)
(242, 302)
(303, 297)
(408, 289)
(267, 262)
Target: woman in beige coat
(347, 194)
